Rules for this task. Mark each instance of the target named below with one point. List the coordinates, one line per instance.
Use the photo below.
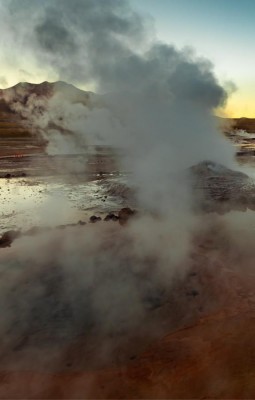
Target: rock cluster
(8, 237)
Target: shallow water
(66, 199)
(51, 201)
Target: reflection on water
(63, 199)
(51, 201)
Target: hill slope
(20, 107)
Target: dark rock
(111, 217)
(125, 214)
(220, 189)
(94, 219)
(8, 176)
(8, 237)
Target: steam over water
(107, 289)
(52, 201)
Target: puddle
(51, 201)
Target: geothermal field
(122, 279)
(127, 214)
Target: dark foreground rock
(220, 189)
(8, 237)
(111, 217)
(215, 188)
(95, 219)
(125, 214)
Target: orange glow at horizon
(240, 104)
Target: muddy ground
(194, 338)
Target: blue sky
(221, 30)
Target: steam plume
(159, 100)
(156, 103)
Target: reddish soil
(211, 357)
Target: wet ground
(43, 190)
(50, 197)
(53, 324)
(50, 201)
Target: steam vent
(127, 194)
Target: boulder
(111, 217)
(125, 214)
(8, 237)
(94, 219)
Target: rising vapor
(158, 101)
(156, 104)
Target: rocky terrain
(18, 103)
(246, 124)
(24, 101)
(215, 188)
(220, 189)
(201, 345)
(195, 336)
(85, 313)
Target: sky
(221, 30)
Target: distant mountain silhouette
(24, 95)
(23, 90)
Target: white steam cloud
(155, 103)
(159, 100)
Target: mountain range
(15, 100)
(23, 94)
